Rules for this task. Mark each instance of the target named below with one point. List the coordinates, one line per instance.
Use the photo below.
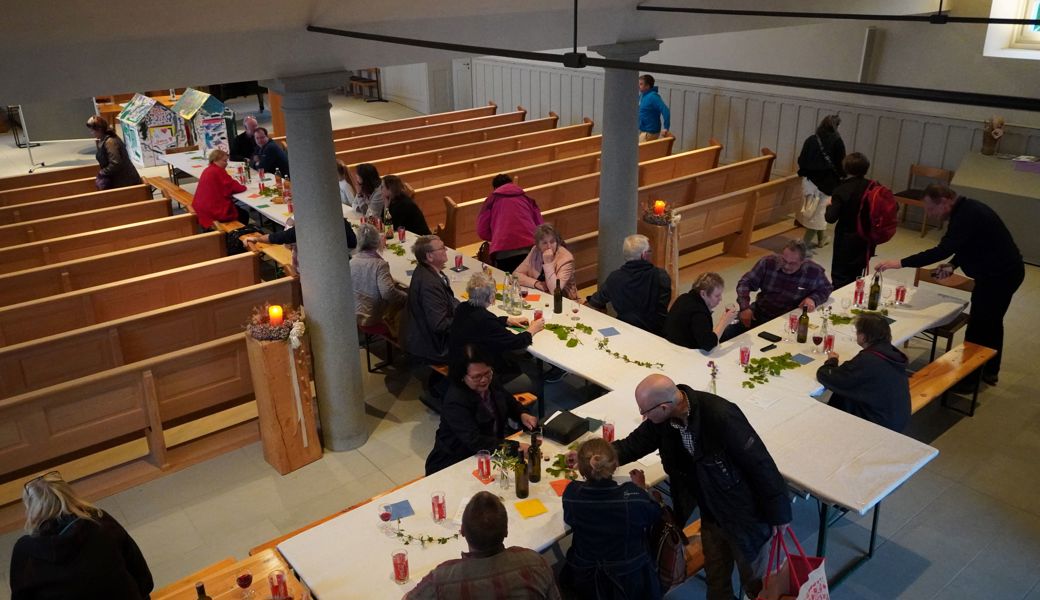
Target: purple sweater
(508, 219)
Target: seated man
(784, 281)
(270, 156)
(872, 385)
(431, 303)
(475, 324)
(243, 147)
(638, 291)
(489, 570)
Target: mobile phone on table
(772, 337)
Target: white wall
(407, 85)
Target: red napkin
(559, 485)
(481, 479)
(533, 297)
(253, 196)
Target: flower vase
(504, 477)
(989, 144)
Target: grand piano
(223, 91)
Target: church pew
(59, 206)
(57, 227)
(460, 223)
(431, 199)
(66, 356)
(410, 122)
(64, 277)
(688, 189)
(415, 133)
(35, 319)
(47, 191)
(476, 152)
(369, 154)
(121, 237)
(44, 177)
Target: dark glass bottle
(875, 292)
(803, 325)
(200, 589)
(534, 458)
(522, 485)
(558, 298)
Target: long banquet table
(842, 460)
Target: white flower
(296, 334)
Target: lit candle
(274, 314)
(659, 207)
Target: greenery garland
(603, 345)
(397, 249)
(760, 369)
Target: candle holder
(658, 213)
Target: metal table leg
(821, 544)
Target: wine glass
(816, 340)
(574, 310)
(244, 581)
(887, 295)
(846, 304)
(523, 297)
(732, 307)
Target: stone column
(322, 247)
(619, 165)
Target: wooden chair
(913, 196)
(367, 79)
(957, 282)
(369, 334)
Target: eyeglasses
(44, 476)
(485, 376)
(651, 409)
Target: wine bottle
(200, 589)
(522, 485)
(803, 325)
(558, 299)
(875, 292)
(534, 458)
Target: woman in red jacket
(213, 197)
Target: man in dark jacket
(982, 246)
(713, 459)
(638, 291)
(431, 303)
(873, 385)
(270, 156)
(243, 147)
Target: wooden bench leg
(974, 396)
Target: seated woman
(608, 558)
(404, 212)
(346, 191)
(506, 220)
(477, 414)
(548, 262)
(689, 320)
(369, 199)
(213, 196)
(377, 298)
(73, 549)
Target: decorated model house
(210, 124)
(149, 127)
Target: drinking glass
(745, 355)
(484, 464)
(846, 304)
(244, 581)
(439, 506)
(400, 234)
(400, 559)
(817, 340)
(792, 324)
(887, 295)
(608, 431)
(574, 309)
(733, 308)
(523, 296)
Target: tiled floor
(967, 526)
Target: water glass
(400, 559)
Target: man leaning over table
(489, 571)
(714, 460)
(982, 247)
(785, 282)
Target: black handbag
(234, 241)
(564, 427)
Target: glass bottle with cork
(534, 457)
(522, 483)
(803, 325)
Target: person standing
(638, 291)
(507, 220)
(851, 252)
(819, 165)
(983, 248)
(652, 111)
(116, 170)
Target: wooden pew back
(60, 278)
(64, 312)
(411, 122)
(476, 151)
(45, 177)
(56, 207)
(48, 252)
(55, 359)
(91, 220)
(47, 191)
(689, 189)
(426, 131)
(372, 153)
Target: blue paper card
(802, 359)
(609, 331)
(400, 510)
(409, 272)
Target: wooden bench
(175, 193)
(74, 204)
(60, 278)
(694, 548)
(91, 220)
(44, 177)
(36, 319)
(936, 378)
(183, 587)
(449, 140)
(411, 122)
(221, 576)
(66, 356)
(48, 191)
(426, 131)
(489, 149)
(279, 253)
(431, 199)
(121, 237)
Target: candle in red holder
(659, 207)
(275, 316)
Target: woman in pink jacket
(547, 263)
(506, 220)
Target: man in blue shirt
(651, 111)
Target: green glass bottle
(803, 325)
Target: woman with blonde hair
(610, 523)
(689, 321)
(214, 196)
(73, 549)
(547, 263)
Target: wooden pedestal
(664, 245)
(288, 424)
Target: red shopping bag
(793, 576)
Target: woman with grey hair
(475, 324)
(377, 298)
(689, 321)
(73, 549)
(548, 262)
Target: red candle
(659, 207)
(274, 314)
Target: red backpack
(877, 211)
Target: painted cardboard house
(210, 124)
(149, 127)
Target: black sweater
(404, 212)
(689, 323)
(872, 385)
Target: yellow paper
(530, 508)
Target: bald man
(713, 459)
(243, 147)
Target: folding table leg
(821, 544)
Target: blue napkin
(802, 359)
(400, 510)
(609, 331)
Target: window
(1014, 41)
(1028, 36)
